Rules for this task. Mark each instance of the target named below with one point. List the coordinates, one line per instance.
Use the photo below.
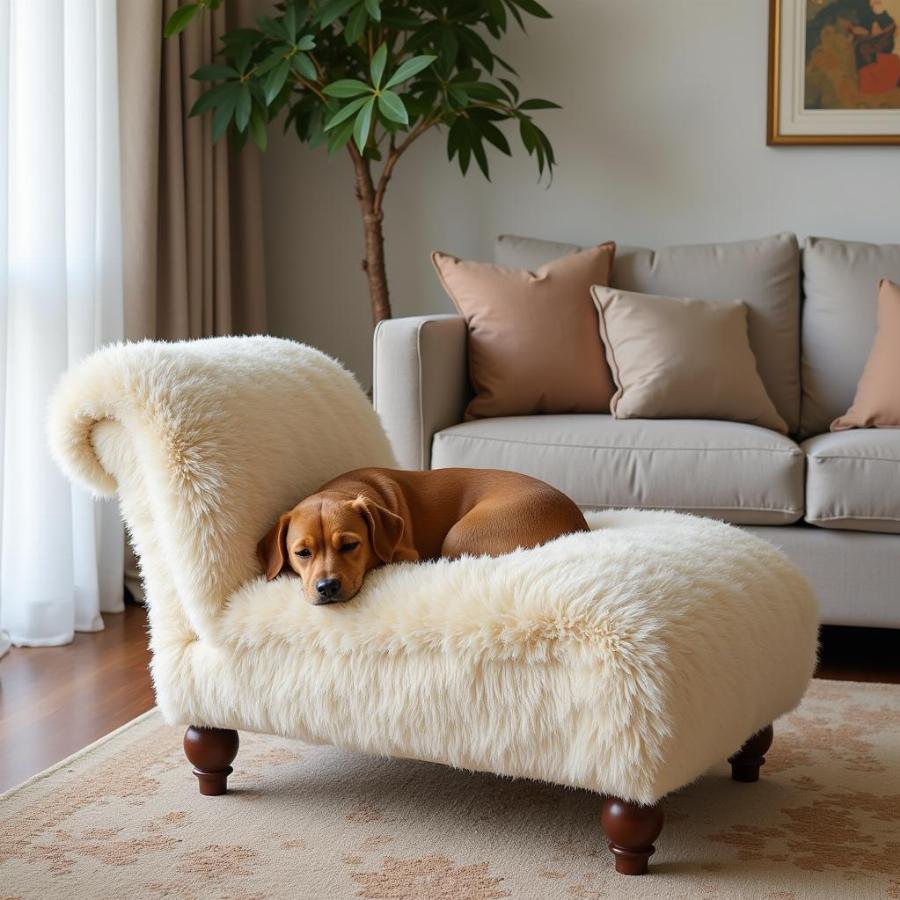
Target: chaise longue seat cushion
(728, 470)
(626, 661)
(853, 480)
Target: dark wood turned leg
(212, 751)
(631, 829)
(746, 763)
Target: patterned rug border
(84, 751)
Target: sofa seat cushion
(732, 471)
(853, 480)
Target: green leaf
(356, 25)
(529, 135)
(214, 72)
(346, 87)
(270, 28)
(373, 8)
(290, 21)
(258, 129)
(276, 79)
(513, 90)
(363, 124)
(493, 134)
(483, 90)
(179, 19)
(307, 42)
(533, 8)
(379, 61)
(213, 97)
(270, 62)
(242, 108)
(346, 112)
(304, 65)
(536, 103)
(339, 137)
(476, 47)
(449, 46)
(333, 10)
(401, 19)
(408, 68)
(239, 36)
(391, 107)
(497, 12)
(222, 117)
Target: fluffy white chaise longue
(627, 660)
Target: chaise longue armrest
(205, 443)
(420, 382)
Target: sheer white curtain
(60, 298)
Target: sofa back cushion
(763, 273)
(840, 318)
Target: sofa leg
(212, 751)
(746, 763)
(631, 829)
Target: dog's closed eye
(305, 553)
(347, 548)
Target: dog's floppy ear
(386, 532)
(271, 550)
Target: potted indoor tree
(371, 77)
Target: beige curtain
(192, 248)
(192, 219)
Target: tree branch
(394, 156)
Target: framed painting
(834, 72)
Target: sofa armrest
(420, 382)
(206, 442)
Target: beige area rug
(123, 819)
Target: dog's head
(331, 542)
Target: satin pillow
(682, 359)
(533, 340)
(877, 401)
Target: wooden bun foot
(631, 829)
(211, 751)
(746, 763)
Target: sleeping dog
(369, 517)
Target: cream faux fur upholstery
(626, 660)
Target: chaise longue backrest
(205, 443)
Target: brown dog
(370, 517)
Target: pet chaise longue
(627, 660)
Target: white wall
(662, 140)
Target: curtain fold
(193, 250)
(61, 555)
(192, 237)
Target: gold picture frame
(789, 122)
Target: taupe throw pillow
(682, 359)
(533, 343)
(877, 401)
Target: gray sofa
(830, 501)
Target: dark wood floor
(56, 700)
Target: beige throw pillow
(682, 359)
(533, 344)
(877, 401)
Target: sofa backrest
(840, 311)
(764, 273)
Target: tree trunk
(373, 264)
